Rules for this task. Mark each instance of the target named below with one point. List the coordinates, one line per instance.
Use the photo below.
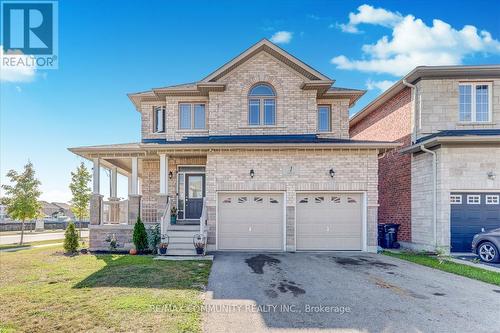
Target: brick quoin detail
(391, 122)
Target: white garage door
(250, 221)
(329, 221)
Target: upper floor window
(192, 116)
(324, 118)
(475, 102)
(261, 105)
(159, 119)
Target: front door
(194, 193)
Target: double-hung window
(192, 116)
(324, 118)
(159, 119)
(475, 102)
(262, 106)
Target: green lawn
(448, 266)
(47, 291)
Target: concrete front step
(180, 227)
(176, 240)
(181, 252)
(180, 246)
(181, 233)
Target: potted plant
(173, 215)
(113, 243)
(199, 243)
(162, 247)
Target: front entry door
(195, 191)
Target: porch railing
(115, 212)
(203, 217)
(165, 218)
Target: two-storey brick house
(256, 155)
(443, 184)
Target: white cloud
(18, 73)
(381, 85)
(413, 43)
(282, 37)
(370, 15)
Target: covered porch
(158, 180)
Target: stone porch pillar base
(134, 207)
(96, 209)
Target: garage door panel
(250, 221)
(468, 219)
(327, 221)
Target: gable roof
(427, 72)
(274, 50)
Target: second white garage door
(327, 221)
(250, 221)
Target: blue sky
(110, 48)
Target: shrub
(140, 237)
(70, 239)
(154, 236)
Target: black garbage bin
(388, 235)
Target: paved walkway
(343, 292)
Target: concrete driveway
(339, 292)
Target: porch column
(134, 199)
(114, 201)
(96, 176)
(96, 198)
(163, 195)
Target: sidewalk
(34, 237)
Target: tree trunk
(22, 233)
(80, 227)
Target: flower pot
(173, 219)
(163, 250)
(199, 250)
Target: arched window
(262, 105)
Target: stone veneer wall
(439, 109)
(459, 169)
(356, 170)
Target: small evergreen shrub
(140, 237)
(71, 239)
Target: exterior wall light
(332, 173)
(252, 173)
(491, 175)
(170, 175)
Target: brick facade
(227, 111)
(392, 122)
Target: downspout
(434, 190)
(413, 108)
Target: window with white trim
(159, 119)
(262, 105)
(192, 116)
(492, 199)
(324, 118)
(475, 102)
(455, 199)
(473, 199)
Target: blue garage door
(471, 212)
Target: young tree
(140, 236)
(22, 195)
(80, 189)
(70, 239)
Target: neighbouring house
(256, 155)
(443, 185)
(56, 210)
